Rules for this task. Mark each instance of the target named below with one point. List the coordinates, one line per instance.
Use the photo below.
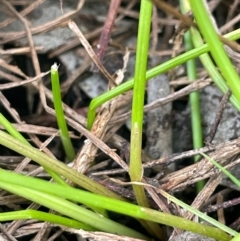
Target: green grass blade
(216, 47)
(14, 132)
(135, 168)
(54, 165)
(72, 210)
(208, 63)
(201, 215)
(91, 199)
(224, 170)
(64, 135)
(194, 103)
(42, 216)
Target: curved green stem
(128, 85)
(194, 102)
(42, 216)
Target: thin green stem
(12, 130)
(181, 59)
(201, 215)
(207, 61)
(64, 135)
(224, 170)
(194, 104)
(42, 216)
(217, 50)
(135, 168)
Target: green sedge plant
(200, 50)
(54, 195)
(63, 198)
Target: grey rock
(189, 236)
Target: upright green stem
(216, 48)
(66, 141)
(195, 104)
(136, 170)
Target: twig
(106, 32)
(87, 154)
(173, 11)
(218, 117)
(72, 25)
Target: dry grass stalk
(87, 154)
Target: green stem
(64, 135)
(42, 216)
(217, 50)
(72, 210)
(12, 130)
(164, 67)
(194, 104)
(135, 168)
(55, 165)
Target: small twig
(8, 235)
(20, 51)
(76, 73)
(227, 204)
(106, 32)
(50, 25)
(236, 224)
(72, 25)
(87, 154)
(27, 10)
(218, 117)
(164, 160)
(92, 34)
(29, 36)
(220, 211)
(186, 20)
(24, 82)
